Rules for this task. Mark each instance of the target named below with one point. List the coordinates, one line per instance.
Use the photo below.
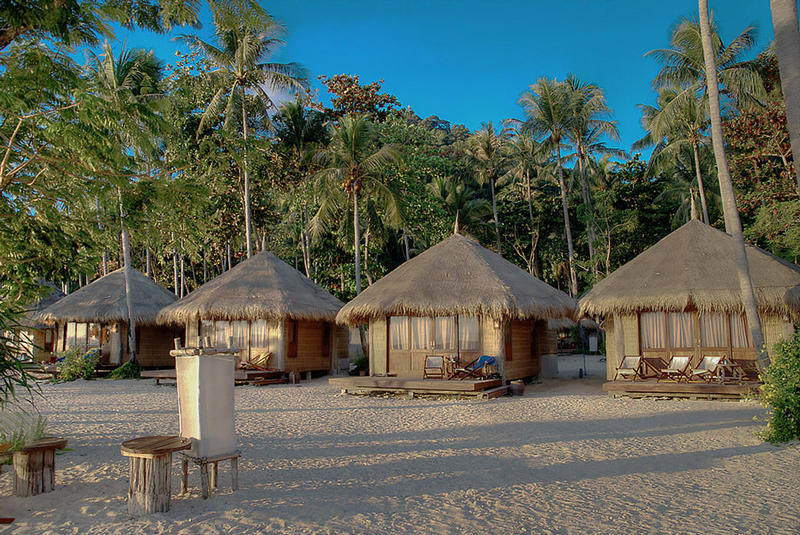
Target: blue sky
(469, 61)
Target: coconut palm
(488, 150)
(787, 48)
(733, 225)
(246, 38)
(549, 106)
(672, 126)
(127, 88)
(462, 203)
(352, 167)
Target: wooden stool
(151, 460)
(35, 466)
(209, 480)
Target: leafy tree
(488, 149)
(787, 48)
(351, 98)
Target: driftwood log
(150, 485)
(35, 466)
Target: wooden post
(235, 472)
(185, 475)
(150, 487)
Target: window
(681, 330)
(71, 340)
(207, 331)
(653, 330)
(93, 339)
(259, 334)
(468, 333)
(713, 330)
(398, 332)
(239, 334)
(191, 333)
(739, 331)
(221, 333)
(421, 331)
(445, 333)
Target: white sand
(564, 458)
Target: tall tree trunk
(126, 254)
(405, 244)
(175, 272)
(147, 267)
(228, 251)
(700, 186)
(732, 223)
(573, 276)
(306, 243)
(496, 219)
(205, 267)
(787, 48)
(100, 228)
(534, 233)
(183, 274)
(247, 223)
(357, 240)
(586, 194)
(366, 257)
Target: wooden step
(496, 392)
(264, 382)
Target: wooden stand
(209, 478)
(35, 466)
(150, 462)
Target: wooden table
(150, 471)
(35, 466)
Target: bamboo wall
(378, 349)
(310, 346)
(525, 356)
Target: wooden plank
(155, 445)
(400, 383)
(678, 388)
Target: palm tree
(674, 125)
(787, 48)
(462, 203)
(246, 37)
(352, 166)
(590, 125)
(732, 223)
(488, 150)
(549, 106)
(127, 86)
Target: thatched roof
(51, 294)
(103, 301)
(458, 276)
(792, 298)
(561, 324)
(262, 287)
(692, 266)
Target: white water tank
(205, 401)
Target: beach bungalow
(96, 316)
(263, 306)
(32, 338)
(681, 297)
(456, 299)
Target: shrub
(77, 364)
(781, 392)
(19, 427)
(129, 370)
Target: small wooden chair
(749, 369)
(478, 368)
(434, 367)
(651, 366)
(677, 368)
(707, 369)
(630, 368)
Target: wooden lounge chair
(677, 368)
(707, 369)
(630, 368)
(651, 366)
(434, 367)
(749, 369)
(475, 369)
(257, 362)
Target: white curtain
(72, 340)
(713, 330)
(207, 330)
(239, 334)
(275, 336)
(259, 334)
(739, 331)
(93, 339)
(421, 330)
(468, 333)
(191, 333)
(446, 332)
(681, 330)
(653, 330)
(398, 332)
(221, 333)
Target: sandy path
(562, 459)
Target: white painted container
(205, 403)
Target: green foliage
(13, 374)
(77, 364)
(362, 364)
(19, 427)
(129, 370)
(781, 392)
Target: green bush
(362, 364)
(129, 370)
(19, 427)
(77, 365)
(781, 392)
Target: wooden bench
(35, 466)
(150, 485)
(208, 480)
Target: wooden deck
(261, 377)
(652, 388)
(484, 388)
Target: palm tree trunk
(175, 272)
(247, 230)
(732, 223)
(496, 219)
(357, 241)
(366, 257)
(306, 243)
(405, 244)
(147, 268)
(700, 186)
(183, 272)
(573, 277)
(534, 233)
(205, 267)
(587, 200)
(228, 251)
(787, 48)
(100, 228)
(126, 254)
